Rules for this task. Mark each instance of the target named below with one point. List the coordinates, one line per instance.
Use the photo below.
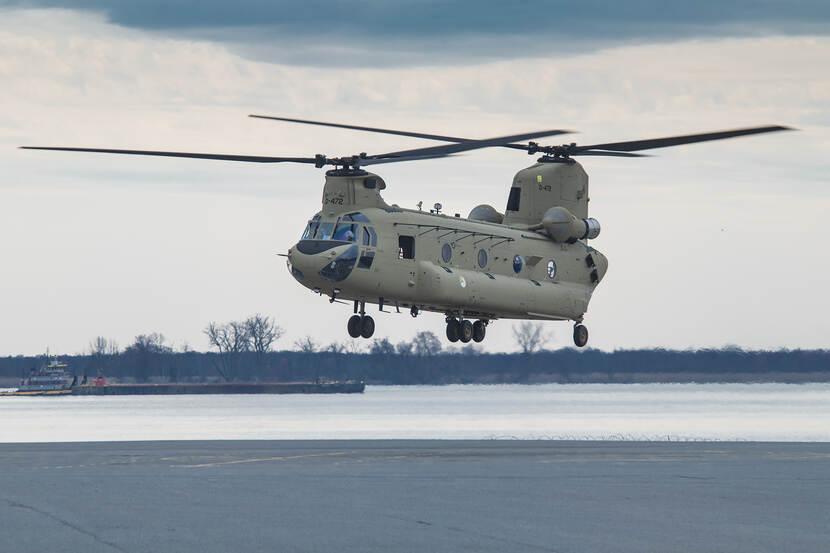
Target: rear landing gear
(465, 330)
(479, 331)
(580, 335)
(452, 330)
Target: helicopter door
(402, 270)
(406, 247)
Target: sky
(708, 245)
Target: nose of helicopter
(313, 261)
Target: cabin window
(482, 258)
(446, 253)
(518, 263)
(551, 268)
(406, 247)
(513, 198)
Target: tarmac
(415, 496)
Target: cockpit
(352, 227)
(352, 230)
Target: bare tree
(144, 349)
(382, 346)
(353, 346)
(404, 348)
(529, 336)
(336, 347)
(263, 332)
(426, 343)
(231, 339)
(102, 352)
(306, 345)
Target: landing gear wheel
(465, 331)
(452, 330)
(479, 330)
(367, 326)
(354, 326)
(580, 336)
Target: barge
(221, 388)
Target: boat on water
(53, 379)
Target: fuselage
(447, 264)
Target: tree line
(244, 350)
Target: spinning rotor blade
(223, 157)
(441, 151)
(368, 129)
(636, 145)
(320, 160)
(607, 154)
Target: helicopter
(532, 261)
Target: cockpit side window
(346, 232)
(366, 239)
(373, 237)
(310, 230)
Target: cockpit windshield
(346, 229)
(325, 230)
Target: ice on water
(757, 412)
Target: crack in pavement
(18, 505)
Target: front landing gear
(360, 325)
(580, 335)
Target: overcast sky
(710, 244)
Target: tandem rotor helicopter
(531, 262)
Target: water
(757, 412)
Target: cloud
(417, 32)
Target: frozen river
(754, 412)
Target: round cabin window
(446, 253)
(518, 263)
(482, 258)
(551, 268)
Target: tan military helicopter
(531, 262)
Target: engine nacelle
(486, 213)
(563, 226)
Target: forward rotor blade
(221, 157)
(607, 154)
(368, 129)
(376, 161)
(635, 145)
(440, 151)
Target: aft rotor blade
(635, 145)
(368, 129)
(221, 157)
(441, 151)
